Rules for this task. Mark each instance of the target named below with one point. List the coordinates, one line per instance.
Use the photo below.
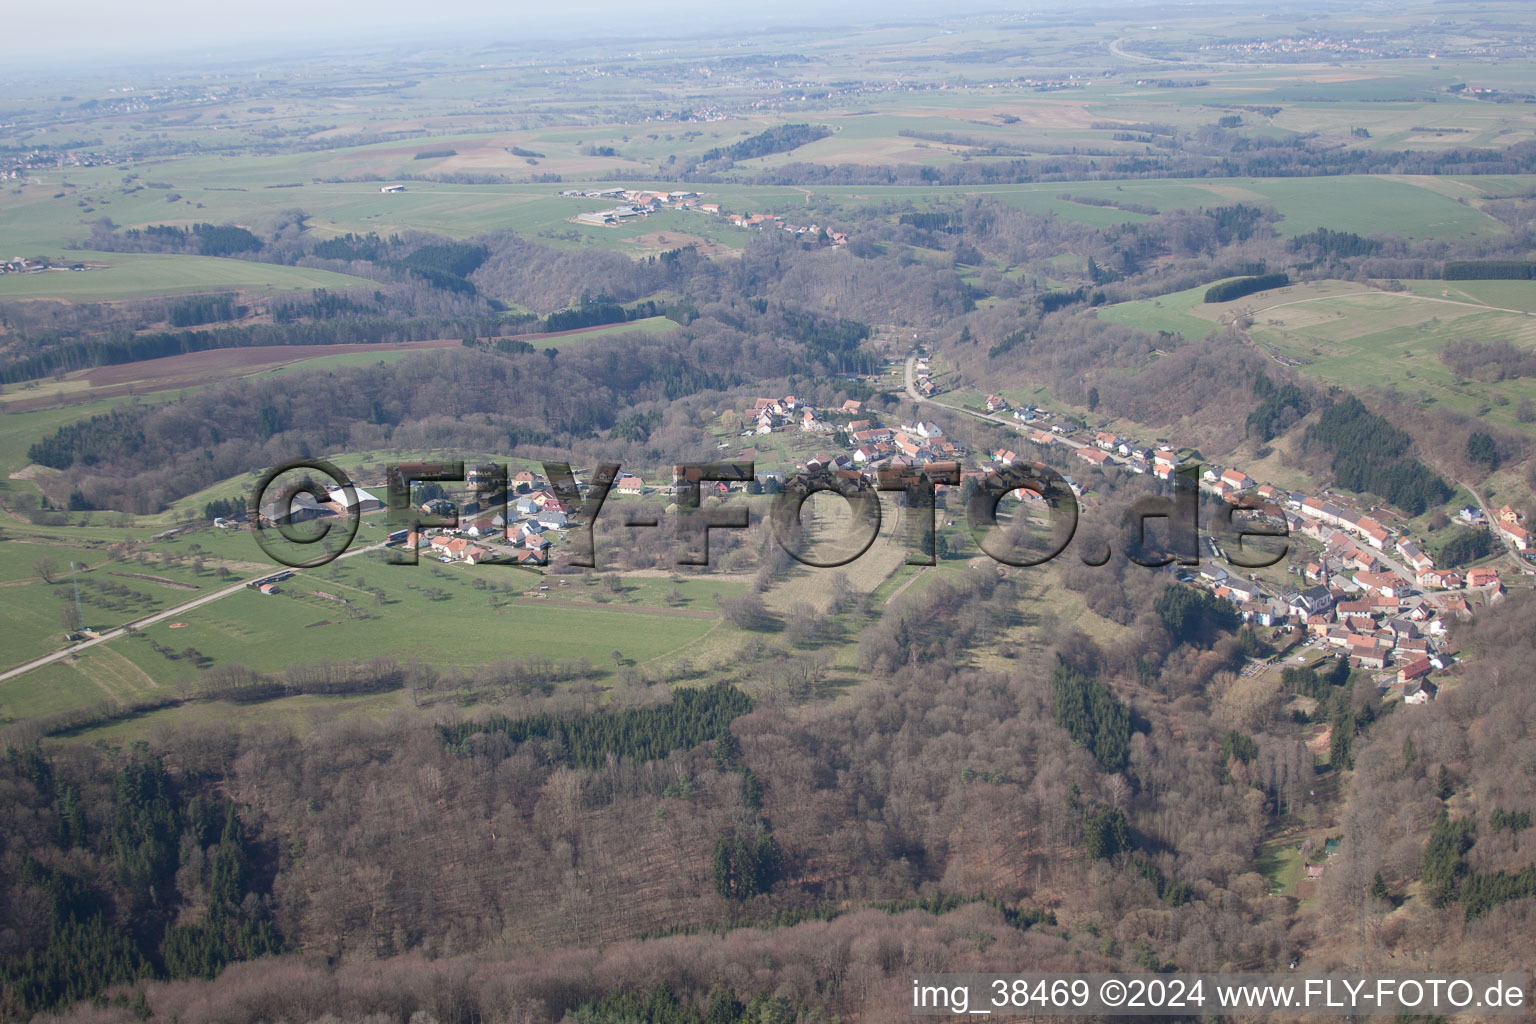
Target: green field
(432, 612)
(127, 275)
(645, 325)
(1174, 312)
(1355, 336)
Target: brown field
(196, 368)
(662, 241)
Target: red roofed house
(1415, 669)
(1375, 534)
(1482, 577)
(1236, 479)
(1384, 583)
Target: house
(1368, 657)
(476, 555)
(1515, 535)
(1374, 533)
(1355, 612)
(852, 407)
(525, 506)
(1092, 457)
(1237, 480)
(483, 527)
(1105, 440)
(1384, 583)
(997, 403)
(1471, 515)
(629, 484)
(268, 588)
(1418, 668)
(551, 520)
(1414, 556)
(1258, 611)
(524, 481)
(1509, 514)
(1439, 579)
(1419, 691)
(1482, 577)
(1040, 437)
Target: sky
(110, 32)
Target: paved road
(161, 616)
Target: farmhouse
(302, 507)
(362, 500)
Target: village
(1364, 591)
(633, 204)
(1371, 594)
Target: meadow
(1358, 336)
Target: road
(1498, 538)
(1060, 439)
(161, 616)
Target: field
(449, 616)
(119, 275)
(1348, 334)
(197, 369)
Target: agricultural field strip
(150, 620)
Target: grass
(1281, 862)
(449, 615)
(1172, 313)
(1390, 340)
(646, 325)
(127, 275)
(1348, 334)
